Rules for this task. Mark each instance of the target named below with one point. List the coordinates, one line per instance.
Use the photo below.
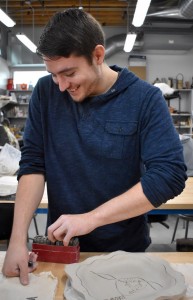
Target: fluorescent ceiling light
(5, 19)
(129, 42)
(140, 12)
(27, 42)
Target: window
(28, 77)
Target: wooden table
(183, 203)
(58, 269)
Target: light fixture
(5, 19)
(129, 42)
(140, 12)
(130, 37)
(26, 41)
(80, 4)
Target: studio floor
(160, 235)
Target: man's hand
(18, 263)
(69, 226)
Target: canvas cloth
(9, 160)
(8, 185)
(41, 287)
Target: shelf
(182, 112)
(17, 117)
(7, 102)
(22, 104)
(17, 111)
(180, 115)
(185, 90)
(13, 103)
(182, 126)
(19, 91)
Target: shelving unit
(16, 111)
(183, 111)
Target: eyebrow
(65, 70)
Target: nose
(63, 84)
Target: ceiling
(107, 12)
(160, 31)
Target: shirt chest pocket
(119, 140)
(116, 140)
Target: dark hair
(72, 31)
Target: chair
(158, 219)
(35, 224)
(6, 220)
(184, 245)
(36, 227)
(187, 219)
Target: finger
(67, 239)
(24, 278)
(52, 228)
(12, 273)
(59, 233)
(33, 257)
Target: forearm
(28, 196)
(125, 206)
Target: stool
(158, 219)
(184, 245)
(6, 220)
(36, 227)
(187, 219)
(35, 224)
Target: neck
(110, 78)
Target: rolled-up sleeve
(161, 153)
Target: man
(102, 139)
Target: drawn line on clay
(90, 264)
(132, 284)
(110, 277)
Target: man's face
(75, 75)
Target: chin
(77, 98)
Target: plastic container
(10, 85)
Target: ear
(99, 54)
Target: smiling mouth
(73, 90)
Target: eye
(70, 74)
(54, 77)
